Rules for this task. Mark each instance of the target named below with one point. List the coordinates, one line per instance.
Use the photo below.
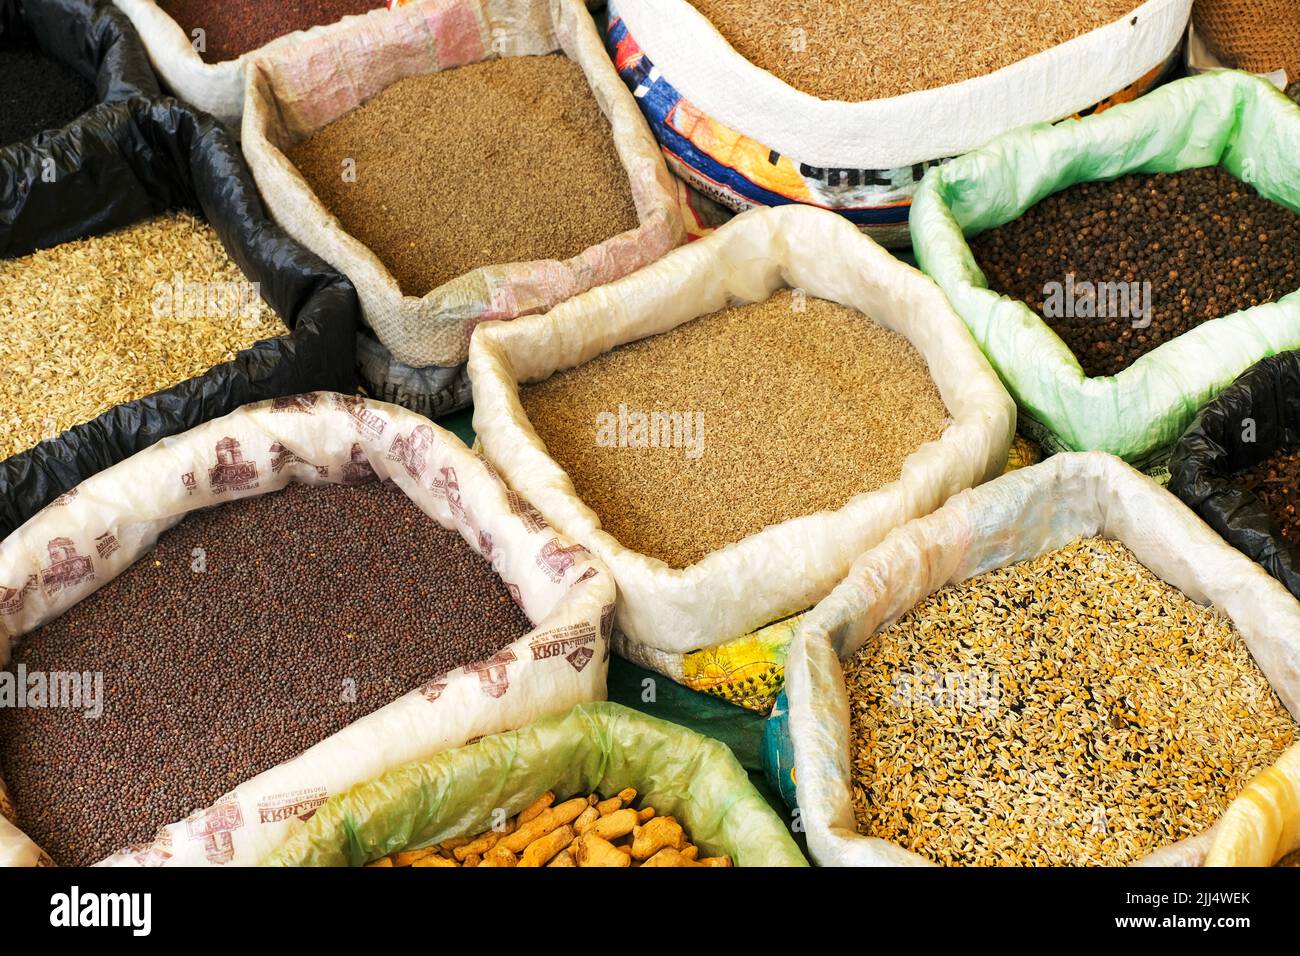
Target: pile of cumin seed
(85, 326)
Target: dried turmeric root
(588, 831)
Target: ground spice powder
(842, 50)
(508, 160)
(1069, 710)
(313, 608)
(87, 325)
(802, 410)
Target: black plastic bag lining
(126, 162)
(1214, 448)
(92, 37)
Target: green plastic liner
(603, 747)
(1226, 118)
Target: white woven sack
(297, 89)
(788, 566)
(111, 520)
(900, 130)
(1017, 517)
(217, 88)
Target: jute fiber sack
(593, 748)
(1015, 518)
(217, 88)
(1230, 119)
(114, 519)
(746, 138)
(298, 89)
(663, 612)
(1262, 36)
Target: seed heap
(1276, 482)
(80, 332)
(801, 411)
(37, 92)
(508, 160)
(232, 28)
(864, 51)
(1208, 244)
(317, 607)
(1069, 710)
(583, 831)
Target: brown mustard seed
(801, 411)
(313, 608)
(508, 160)
(841, 50)
(232, 28)
(1069, 710)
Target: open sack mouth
(271, 607)
(1061, 667)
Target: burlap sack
(1262, 36)
(114, 519)
(300, 87)
(1017, 517)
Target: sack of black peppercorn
(1236, 122)
(1236, 467)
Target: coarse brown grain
(841, 50)
(1073, 709)
(1205, 244)
(232, 28)
(508, 160)
(314, 607)
(79, 333)
(801, 411)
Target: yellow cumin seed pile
(79, 332)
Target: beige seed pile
(78, 329)
(1095, 715)
(802, 411)
(853, 51)
(508, 160)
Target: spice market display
(690, 434)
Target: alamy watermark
(628, 428)
(972, 690)
(1083, 299)
(179, 299)
(48, 690)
